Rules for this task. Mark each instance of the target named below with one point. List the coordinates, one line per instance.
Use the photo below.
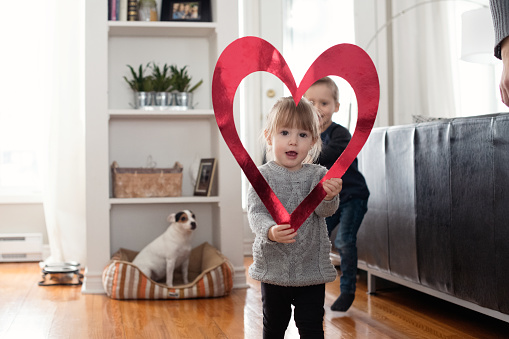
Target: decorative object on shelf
(132, 10)
(181, 84)
(146, 182)
(186, 10)
(147, 10)
(142, 86)
(348, 61)
(162, 85)
(205, 177)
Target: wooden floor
(31, 311)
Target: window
(309, 29)
(25, 84)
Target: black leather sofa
(438, 214)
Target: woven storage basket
(146, 182)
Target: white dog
(170, 250)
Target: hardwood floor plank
(31, 311)
(228, 314)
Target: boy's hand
(332, 187)
(282, 233)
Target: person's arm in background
(500, 15)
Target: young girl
(293, 267)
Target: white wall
(23, 218)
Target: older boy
(324, 95)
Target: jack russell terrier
(170, 250)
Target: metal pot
(163, 99)
(183, 99)
(143, 99)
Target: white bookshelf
(117, 132)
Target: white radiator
(20, 247)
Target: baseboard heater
(15, 247)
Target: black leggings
(277, 310)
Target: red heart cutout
(251, 54)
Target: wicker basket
(146, 182)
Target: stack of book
(122, 10)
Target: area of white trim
(92, 283)
(21, 199)
(239, 277)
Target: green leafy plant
(162, 81)
(140, 82)
(181, 81)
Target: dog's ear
(171, 218)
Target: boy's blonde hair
(331, 84)
(304, 116)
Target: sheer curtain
(416, 49)
(423, 73)
(64, 177)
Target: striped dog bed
(210, 275)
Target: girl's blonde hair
(304, 116)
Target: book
(113, 10)
(122, 10)
(132, 10)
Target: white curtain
(64, 175)
(422, 65)
(416, 47)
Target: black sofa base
(372, 274)
(437, 217)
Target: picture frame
(206, 173)
(183, 10)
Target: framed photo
(181, 10)
(205, 177)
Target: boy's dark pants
(348, 217)
(277, 311)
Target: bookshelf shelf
(157, 113)
(161, 28)
(170, 200)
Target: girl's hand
(332, 187)
(282, 233)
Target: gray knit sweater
(306, 261)
(500, 15)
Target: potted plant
(181, 83)
(162, 84)
(142, 86)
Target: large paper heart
(251, 54)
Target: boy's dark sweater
(334, 141)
